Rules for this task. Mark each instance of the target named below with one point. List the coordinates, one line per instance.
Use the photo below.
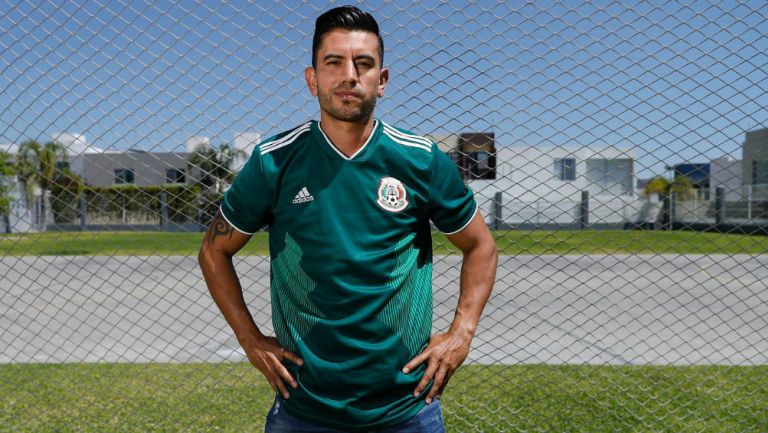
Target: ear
(383, 79)
(311, 77)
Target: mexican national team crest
(391, 195)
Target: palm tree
(681, 187)
(658, 185)
(227, 156)
(214, 165)
(36, 166)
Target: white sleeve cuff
(465, 224)
(221, 211)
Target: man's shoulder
(406, 140)
(285, 139)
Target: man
(349, 201)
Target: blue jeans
(428, 420)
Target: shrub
(182, 200)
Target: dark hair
(345, 17)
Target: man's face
(349, 76)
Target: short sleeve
(451, 203)
(247, 202)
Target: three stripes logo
(303, 196)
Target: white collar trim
(336, 149)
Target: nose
(349, 72)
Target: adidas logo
(303, 196)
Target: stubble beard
(350, 111)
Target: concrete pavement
(595, 309)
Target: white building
(543, 185)
(754, 164)
(245, 143)
(196, 141)
(24, 216)
(131, 168)
(447, 143)
(725, 172)
(75, 143)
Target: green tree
(658, 185)
(682, 188)
(36, 166)
(66, 189)
(212, 168)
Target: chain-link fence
(619, 151)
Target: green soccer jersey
(351, 263)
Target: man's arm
(220, 243)
(446, 351)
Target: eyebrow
(357, 57)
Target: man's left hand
(443, 355)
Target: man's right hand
(220, 243)
(266, 354)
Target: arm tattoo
(219, 227)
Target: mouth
(346, 95)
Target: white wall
(445, 142)
(22, 218)
(755, 147)
(194, 142)
(531, 191)
(726, 172)
(75, 143)
(245, 142)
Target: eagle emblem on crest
(392, 195)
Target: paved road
(627, 309)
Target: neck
(348, 137)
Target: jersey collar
(335, 150)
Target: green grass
(510, 243)
(47, 398)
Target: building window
(175, 175)
(481, 165)
(565, 169)
(609, 176)
(475, 156)
(760, 172)
(475, 165)
(123, 176)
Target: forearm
(478, 273)
(447, 351)
(224, 286)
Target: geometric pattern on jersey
(351, 282)
(295, 314)
(409, 312)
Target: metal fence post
(538, 212)
(584, 210)
(83, 211)
(719, 207)
(497, 216)
(672, 210)
(667, 207)
(199, 212)
(163, 209)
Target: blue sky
(673, 82)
